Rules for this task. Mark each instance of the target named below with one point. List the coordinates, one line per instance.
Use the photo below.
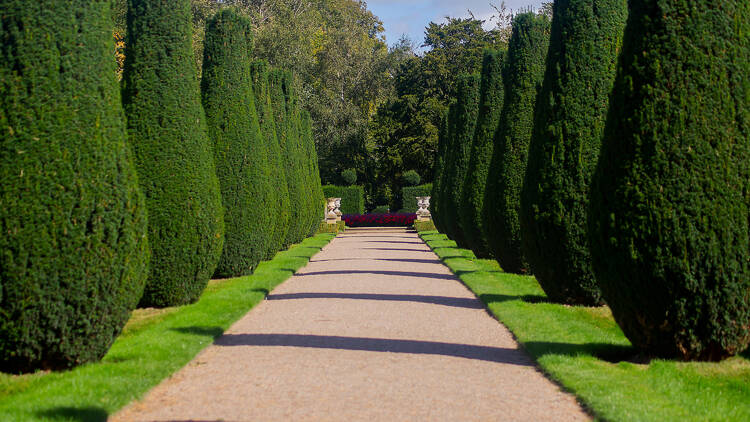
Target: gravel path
(374, 328)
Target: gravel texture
(374, 328)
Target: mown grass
(153, 345)
(585, 351)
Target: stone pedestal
(423, 213)
(331, 216)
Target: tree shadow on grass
(69, 413)
(491, 298)
(613, 353)
(212, 332)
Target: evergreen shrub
(349, 176)
(441, 163)
(240, 150)
(173, 155)
(411, 178)
(316, 199)
(523, 76)
(74, 253)
(668, 216)
(352, 197)
(472, 194)
(570, 114)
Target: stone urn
(337, 202)
(423, 205)
(331, 216)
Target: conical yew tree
(527, 50)
(472, 194)
(74, 251)
(240, 150)
(570, 113)
(279, 204)
(668, 218)
(173, 155)
(440, 161)
(316, 200)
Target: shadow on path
(82, 414)
(390, 273)
(413, 260)
(484, 353)
(392, 241)
(399, 249)
(458, 302)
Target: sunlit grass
(584, 350)
(154, 344)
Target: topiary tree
(463, 119)
(240, 150)
(74, 251)
(349, 176)
(411, 178)
(472, 194)
(569, 122)
(668, 218)
(527, 50)
(317, 199)
(279, 202)
(173, 154)
(440, 162)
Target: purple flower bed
(379, 220)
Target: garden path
(373, 328)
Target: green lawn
(154, 344)
(585, 351)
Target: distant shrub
(411, 178)
(380, 209)
(352, 198)
(410, 193)
(349, 176)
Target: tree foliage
(173, 155)
(524, 72)
(74, 251)
(668, 219)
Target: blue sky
(412, 16)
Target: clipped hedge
(316, 201)
(352, 197)
(240, 150)
(670, 198)
(409, 194)
(565, 145)
(462, 121)
(472, 194)
(74, 251)
(527, 50)
(173, 155)
(440, 161)
(279, 206)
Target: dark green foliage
(472, 194)
(410, 193)
(240, 150)
(352, 198)
(173, 154)
(349, 176)
(74, 251)
(527, 50)
(279, 204)
(668, 217)
(315, 200)
(411, 178)
(462, 121)
(570, 113)
(440, 161)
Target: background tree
(240, 150)
(525, 69)
(488, 120)
(173, 155)
(668, 219)
(74, 250)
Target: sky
(410, 17)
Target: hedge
(352, 198)
(279, 206)
(74, 255)
(527, 50)
(569, 124)
(472, 194)
(240, 150)
(668, 217)
(462, 121)
(173, 155)
(316, 201)
(440, 159)
(409, 194)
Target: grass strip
(153, 345)
(584, 350)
